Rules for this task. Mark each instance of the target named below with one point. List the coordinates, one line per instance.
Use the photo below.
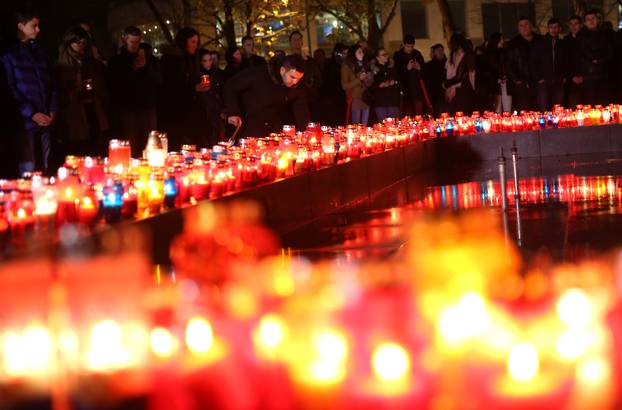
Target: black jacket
(518, 53)
(252, 61)
(549, 61)
(410, 79)
(596, 52)
(434, 73)
(213, 100)
(265, 104)
(385, 96)
(575, 59)
(492, 68)
(133, 89)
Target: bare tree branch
(161, 21)
(390, 17)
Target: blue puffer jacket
(28, 77)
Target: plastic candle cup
(113, 202)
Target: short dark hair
(247, 37)
(132, 31)
(409, 39)
(378, 50)
(293, 33)
(593, 12)
(437, 45)
(523, 18)
(293, 62)
(553, 20)
(575, 17)
(204, 52)
(24, 16)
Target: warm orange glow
(390, 362)
(199, 335)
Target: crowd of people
(77, 104)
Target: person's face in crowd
(192, 45)
(525, 29)
(207, 61)
(29, 30)
(554, 30)
(382, 57)
(574, 26)
(237, 56)
(296, 42)
(408, 48)
(501, 43)
(591, 22)
(79, 46)
(359, 54)
(132, 43)
(290, 77)
(438, 53)
(249, 47)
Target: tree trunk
(228, 28)
(374, 35)
(161, 21)
(187, 12)
(448, 21)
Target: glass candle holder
(119, 156)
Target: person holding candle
(548, 67)
(133, 78)
(28, 78)
(267, 97)
(209, 89)
(82, 98)
(355, 79)
(385, 86)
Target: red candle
(87, 211)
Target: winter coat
(72, 122)
(410, 79)
(518, 53)
(385, 96)
(133, 89)
(265, 104)
(596, 52)
(29, 79)
(549, 60)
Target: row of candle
(89, 190)
(450, 322)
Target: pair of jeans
(360, 115)
(386, 112)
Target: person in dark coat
(250, 59)
(332, 96)
(409, 63)
(82, 97)
(233, 57)
(133, 78)
(434, 73)
(29, 81)
(385, 88)
(459, 82)
(180, 109)
(518, 52)
(491, 75)
(211, 96)
(574, 84)
(548, 67)
(313, 74)
(596, 52)
(263, 99)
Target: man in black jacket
(249, 58)
(434, 74)
(409, 64)
(268, 97)
(518, 52)
(596, 52)
(133, 79)
(548, 67)
(574, 83)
